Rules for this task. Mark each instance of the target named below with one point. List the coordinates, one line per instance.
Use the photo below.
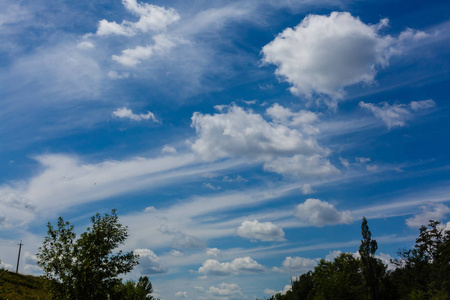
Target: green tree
(373, 270)
(424, 271)
(85, 268)
(131, 290)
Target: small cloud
(238, 178)
(265, 232)
(181, 294)
(244, 265)
(396, 115)
(210, 186)
(320, 213)
(432, 212)
(149, 262)
(213, 252)
(176, 253)
(128, 113)
(85, 45)
(182, 240)
(307, 189)
(226, 291)
(168, 149)
(363, 160)
(249, 102)
(344, 162)
(296, 265)
(116, 75)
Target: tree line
(421, 273)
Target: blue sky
(240, 141)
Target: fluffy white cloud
(151, 18)
(307, 189)
(213, 252)
(226, 291)
(242, 265)
(149, 262)
(436, 212)
(285, 116)
(255, 230)
(324, 54)
(286, 288)
(396, 115)
(321, 213)
(128, 113)
(296, 265)
(235, 132)
(181, 294)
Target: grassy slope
(16, 286)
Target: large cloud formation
(324, 54)
(283, 147)
(241, 265)
(256, 230)
(320, 213)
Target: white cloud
(116, 75)
(286, 288)
(132, 57)
(396, 115)
(128, 113)
(213, 252)
(242, 265)
(297, 265)
(226, 291)
(307, 189)
(168, 149)
(235, 132)
(177, 253)
(321, 213)
(435, 212)
(265, 232)
(332, 255)
(420, 105)
(151, 18)
(301, 165)
(286, 116)
(182, 240)
(149, 262)
(324, 54)
(85, 45)
(181, 294)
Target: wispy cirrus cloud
(396, 115)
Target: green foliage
(424, 271)
(131, 290)
(85, 268)
(372, 270)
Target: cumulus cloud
(128, 114)
(436, 212)
(242, 265)
(181, 294)
(307, 189)
(296, 265)
(226, 291)
(324, 54)
(320, 213)
(151, 18)
(285, 116)
(265, 232)
(149, 262)
(213, 252)
(235, 132)
(286, 288)
(396, 115)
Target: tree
(424, 271)
(131, 290)
(85, 268)
(372, 269)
